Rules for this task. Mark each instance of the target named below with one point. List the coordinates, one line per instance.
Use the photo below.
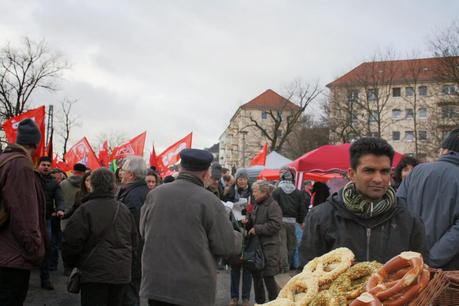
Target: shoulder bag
(73, 282)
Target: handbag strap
(102, 235)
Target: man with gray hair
(133, 192)
(185, 228)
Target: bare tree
(308, 135)
(66, 121)
(22, 71)
(114, 138)
(284, 117)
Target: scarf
(287, 186)
(367, 209)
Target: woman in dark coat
(101, 240)
(266, 223)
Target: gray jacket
(432, 192)
(185, 227)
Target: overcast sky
(171, 67)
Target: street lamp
(244, 133)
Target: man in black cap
(185, 228)
(22, 234)
(431, 192)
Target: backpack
(4, 214)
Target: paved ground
(60, 297)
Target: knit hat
(242, 173)
(28, 133)
(451, 141)
(79, 167)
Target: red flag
(60, 164)
(134, 146)
(103, 154)
(82, 153)
(260, 158)
(153, 158)
(10, 127)
(171, 156)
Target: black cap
(451, 141)
(216, 171)
(45, 159)
(195, 159)
(79, 167)
(28, 133)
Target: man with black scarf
(365, 215)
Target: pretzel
(366, 299)
(382, 291)
(278, 302)
(328, 298)
(411, 292)
(329, 266)
(300, 289)
(352, 282)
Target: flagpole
(50, 125)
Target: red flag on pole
(103, 154)
(82, 153)
(134, 146)
(154, 158)
(10, 127)
(260, 158)
(171, 156)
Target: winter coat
(292, 204)
(230, 194)
(133, 195)
(23, 238)
(267, 220)
(112, 259)
(70, 187)
(331, 225)
(185, 227)
(432, 192)
(54, 196)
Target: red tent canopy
(273, 175)
(328, 157)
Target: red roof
(395, 72)
(270, 100)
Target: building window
(422, 113)
(422, 135)
(396, 92)
(409, 135)
(373, 116)
(396, 135)
(352, 95)
(448, 112)
(396, 113)
(409, 114)
(372, 94)
(264, 115)
(422, 90)
(409, 91)
(448, 90)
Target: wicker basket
(437, 284)
(450, 295)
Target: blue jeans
(246, 282)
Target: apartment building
(242, 140)
(410, 103)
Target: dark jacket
(292, 204)
(267, 220)
(330, 225)
(70, 186)
(230, 194)
(133, 195)
(111, 261)
(54, 196)
(23, 238)
(432, 192)
(185, 227)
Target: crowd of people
(132, 234)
